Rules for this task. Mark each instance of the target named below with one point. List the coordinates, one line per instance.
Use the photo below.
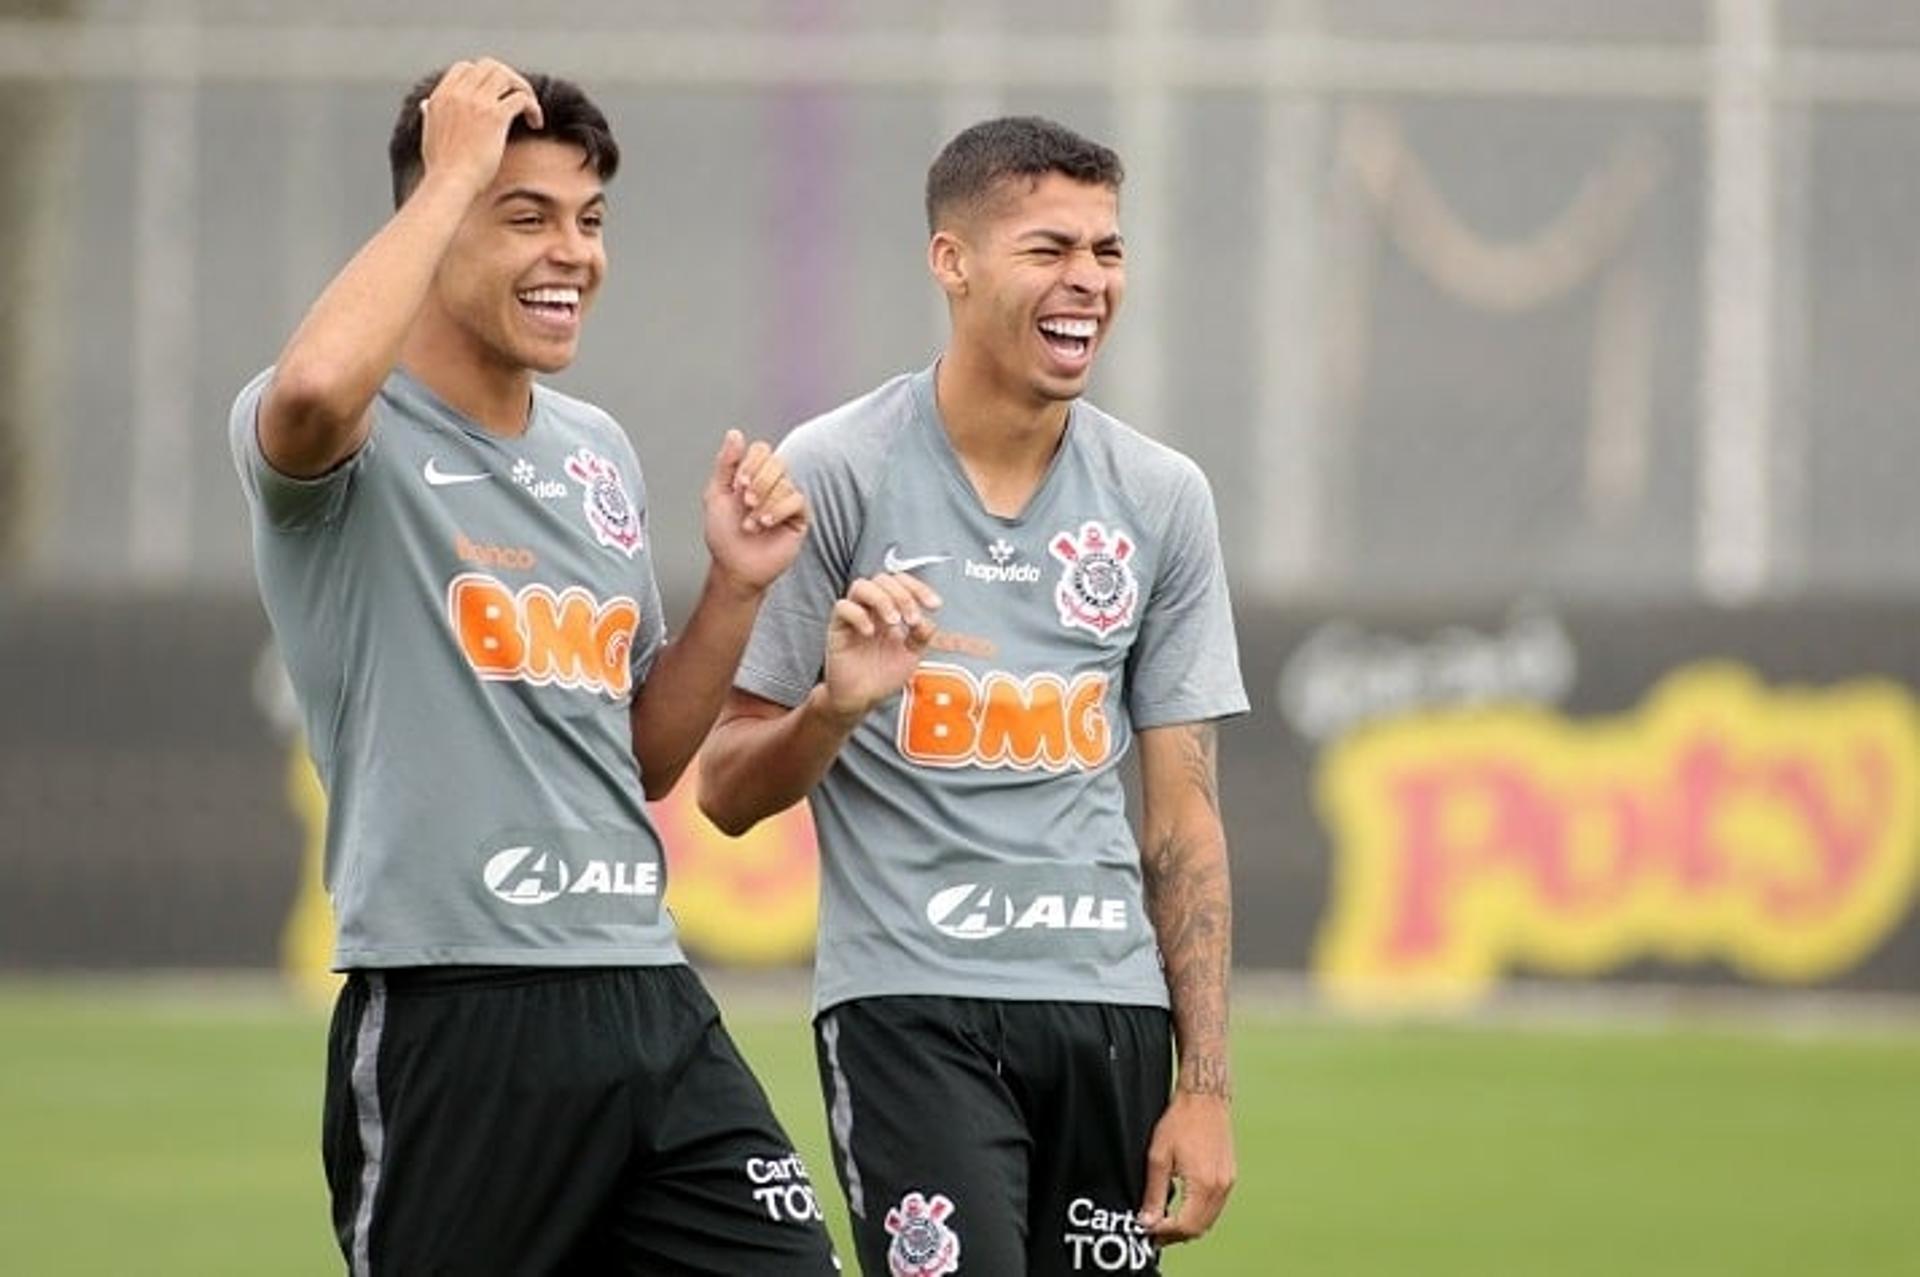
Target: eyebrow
(542, 198)
(1062, 239)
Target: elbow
(730, 818)
(307, 422)
(658, 784)
(306, 390)
(732, 822)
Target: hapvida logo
(993, 573)
(1003, 570)
(525, 875)
(527, 475)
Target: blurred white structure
(1463, 297)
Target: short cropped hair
(568, 115)
(969, 168)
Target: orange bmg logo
(536, 636)
(1776, 830)
(949, 718)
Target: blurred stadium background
(1553, 363)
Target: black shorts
(555, 1120)
(994, 1137)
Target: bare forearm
(350, 339)
(763, 758)
(1190, 904)
(676, 707)
(754, 767)
(1189, 899)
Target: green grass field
(165, 1133)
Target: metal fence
(1457, 297)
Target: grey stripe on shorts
(840, 1116)
(366, 1104)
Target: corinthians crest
(923, 1245)
(1097, 591)
(610, 512)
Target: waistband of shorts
(459, 979)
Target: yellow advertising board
(1772, 829)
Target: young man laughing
(1003, 970)
(523, 1075)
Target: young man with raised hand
(1003, 970)
(523, 1075)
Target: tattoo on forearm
(1206, 1075)
(1199, 758)
(1186, 881)
(1188, 900)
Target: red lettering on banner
(1777, 830)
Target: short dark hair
(968, 168)
(568, 115)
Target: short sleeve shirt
(973, 829)
(465, 619)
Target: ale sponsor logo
(981, 911)
(526, 875)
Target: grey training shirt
(973, 829)
(465, 619)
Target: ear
(947, 259)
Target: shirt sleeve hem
(1172, 713)
(770, 687)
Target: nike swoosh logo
(438, 478)
(894, 563)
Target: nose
(573, 246)
(1084, 274)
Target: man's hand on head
(466, 119)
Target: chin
(1061, 389)
(546, 360)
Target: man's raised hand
(466, 118)
(755, 517)
(875, 638)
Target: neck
(1004, 436)
(494, 395)
(993, 427)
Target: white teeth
(551, 296)
(1082, 328)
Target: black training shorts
(555, 1120)
(995, 1137)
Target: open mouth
(1070, 339)
(560, 306)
